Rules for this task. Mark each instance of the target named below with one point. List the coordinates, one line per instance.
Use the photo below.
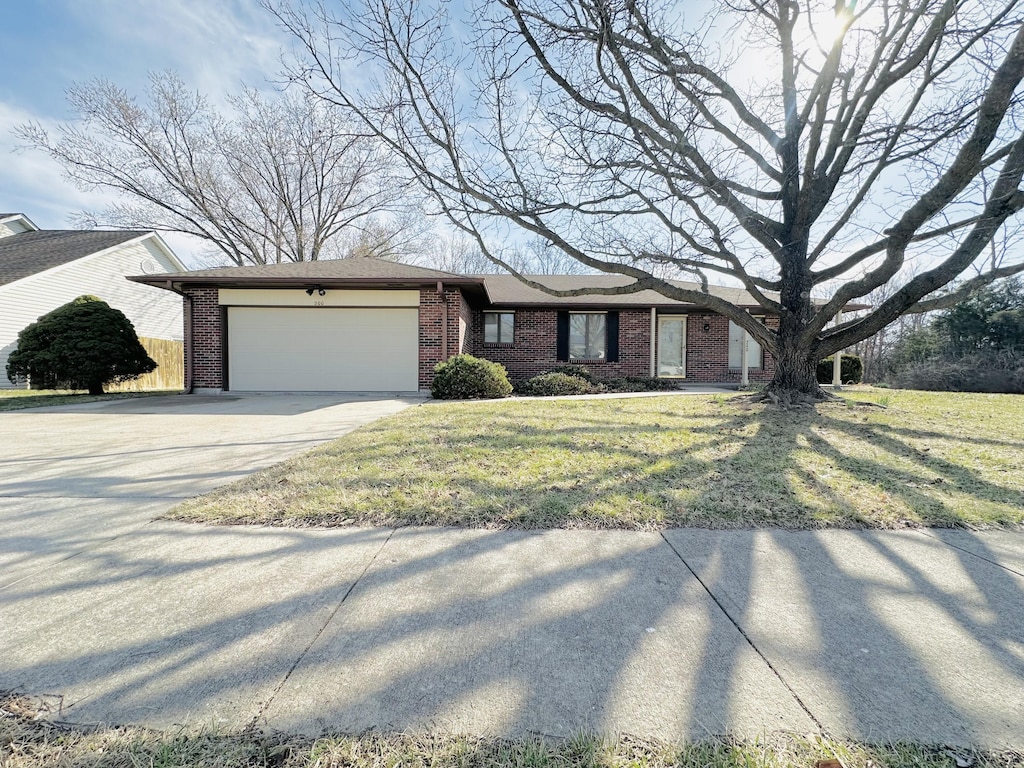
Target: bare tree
(811, 150)
(280, 179)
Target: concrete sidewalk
(869, 635)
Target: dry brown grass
(27, 742)
(938, 459)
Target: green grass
(19, 399)
(939, 459)
(29, 743)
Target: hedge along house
(356, 325)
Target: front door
(672, 346)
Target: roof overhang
(21, 217)
(178, 282)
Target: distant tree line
(975, 346)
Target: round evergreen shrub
(84, 344)
(851, 370)
(557, 383)
(465, 377)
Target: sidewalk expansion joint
(746, 637)
(72, 555)
(969, 552)
(316, 636)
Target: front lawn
(18, 399)
(928, 458)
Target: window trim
(500, 342)
(604, 359)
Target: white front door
(672, 346)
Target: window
(499, 327)
(588, 336)
(736, 348)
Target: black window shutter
(612, 326)
(562, 337)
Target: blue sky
(46, 45)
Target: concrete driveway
(74, 476)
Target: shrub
(558, 383)
(851, 370)
(84, 344)
(579, 371)
(465, 377)
(976, 373)
(640, 384)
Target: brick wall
(707, 352)
(465, 326)
(534, 349)
(203, 350)
(432, 312)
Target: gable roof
(508, 290)
(27, 253)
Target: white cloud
(215, 46)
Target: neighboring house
(370, 325)
(42, 269)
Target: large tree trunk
(96, 389)
(796, 380)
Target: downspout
(187, 317)
(444, 321)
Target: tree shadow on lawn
(611, 468)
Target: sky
(47, 45)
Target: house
(371, 325)
(42, 269)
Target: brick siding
(203, 350)
(533, 350)
(707, 352)
(432, 349)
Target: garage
(322, 349)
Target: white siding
(13, 227)
(154, 312)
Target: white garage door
(323, 350)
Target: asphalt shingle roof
(27, 253)
(333, 269)
(508, 290)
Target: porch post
(744, 362)
(654, 333)
(837, 361)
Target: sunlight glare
(834, 27)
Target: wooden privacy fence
(170, 373)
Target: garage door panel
(324, 349)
